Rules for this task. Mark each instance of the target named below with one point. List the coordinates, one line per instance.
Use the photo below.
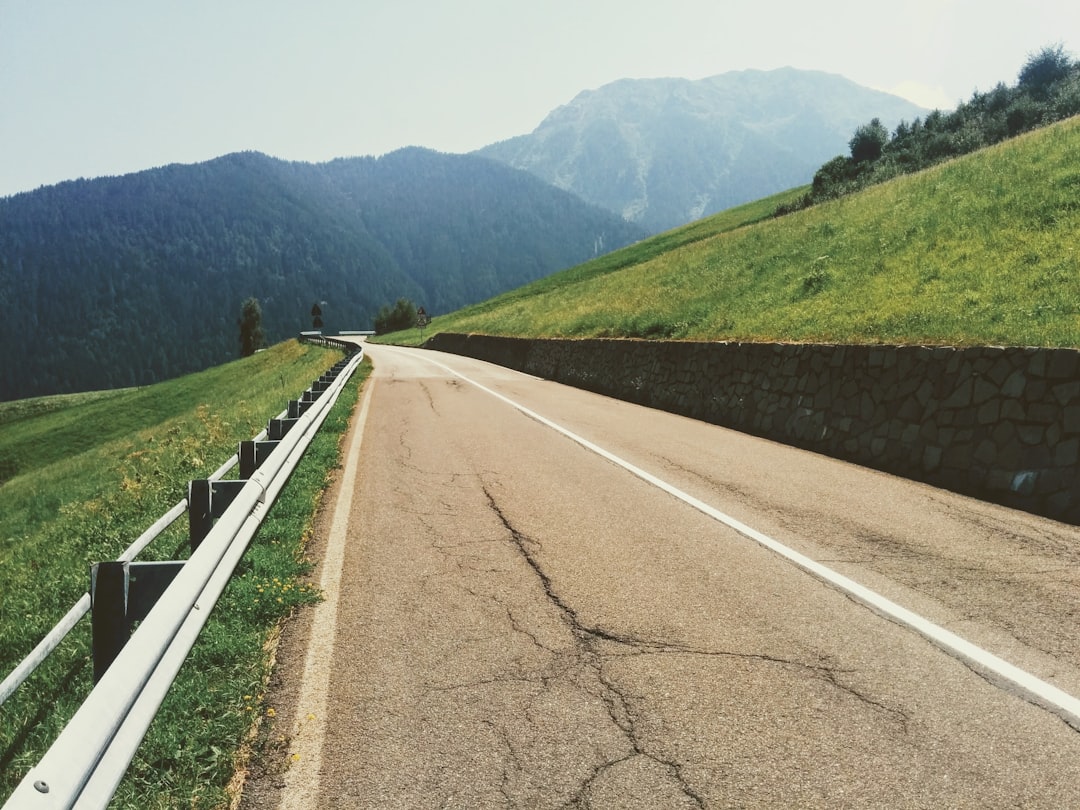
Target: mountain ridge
(140, 277)
(663, 152)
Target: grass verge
(59, 514)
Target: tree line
(125, 281)
(1047, 90)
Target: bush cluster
(1048, 90)
(401, 316)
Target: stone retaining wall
(1001, 424)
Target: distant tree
(1044, 69)
(868, 141)
(316, 317)
(401, 316)
(1066, 96)
(997, 99)
(251, 331)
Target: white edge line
(309, 726)
(1046, 695)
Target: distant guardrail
(317, 337)
(85, 764)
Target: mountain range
(122, 281)
(664, 152)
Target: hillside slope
(663, 152)
(980, 250)
(128, 280)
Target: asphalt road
(517, 619)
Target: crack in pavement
(516, 626)
(619, 705)
(430, 398)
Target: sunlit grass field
(83, 476)
(980, 250)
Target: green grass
(56, 456)
(133, 453)
(520, 300)
(980, 250)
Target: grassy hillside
(980, 250)
(84, 476)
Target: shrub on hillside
(401, 316)
(1048, 90)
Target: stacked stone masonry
(1000, 424)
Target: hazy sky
(95, 87)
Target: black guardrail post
(277, 428)
(122, 593)
(108, 613)
(252, 454)
(207, 501)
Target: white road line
(309, 729)
(1039, 691)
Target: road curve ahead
(540, 597)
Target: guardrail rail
(171, 600)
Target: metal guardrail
(320, 339)
(52, 640)
(85, 764)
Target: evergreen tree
(251, 331)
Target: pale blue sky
(96, 87)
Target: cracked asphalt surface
(524, 624)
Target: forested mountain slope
(128, 280)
